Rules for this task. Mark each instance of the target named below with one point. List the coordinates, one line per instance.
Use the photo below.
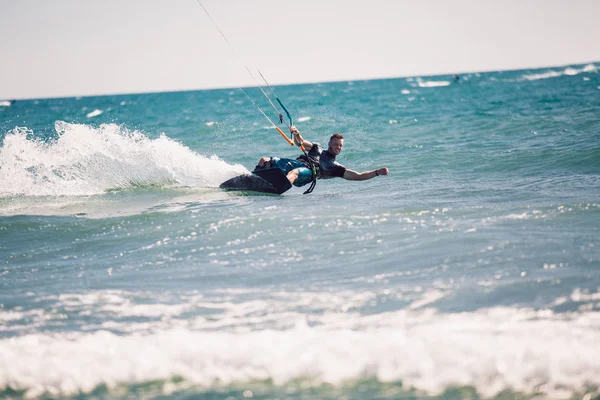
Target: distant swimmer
(316, 163)
(456, 78)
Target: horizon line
(233, 86)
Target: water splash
(86, 160)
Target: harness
(315, 170)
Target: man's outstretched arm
(363, 176)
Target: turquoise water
(471, 271)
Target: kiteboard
(265, 180)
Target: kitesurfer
(316, 163)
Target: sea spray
(87, 160)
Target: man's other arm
(363, 176)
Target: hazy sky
(81, 47)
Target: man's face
(335, 146)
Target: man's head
(336, 142)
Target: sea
(471, 271)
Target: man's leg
(292, 175)
(292, 168)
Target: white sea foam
(87, 160)
(557, 73)
(5, 103)
(94, 113)
(302, 119)
(495, 349)
(432, 84)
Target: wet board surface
(268, 180)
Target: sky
(63, 48)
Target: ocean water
(471, 271)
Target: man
(299, 171)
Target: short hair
(336, 136)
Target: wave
(492, 350)
(86, 160)
(432, 84)
(569, 71)
(94, 113)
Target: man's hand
(297, 137)
(299, 140)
